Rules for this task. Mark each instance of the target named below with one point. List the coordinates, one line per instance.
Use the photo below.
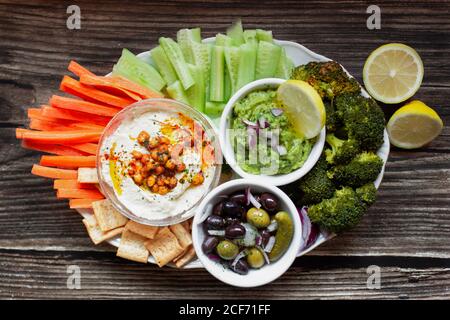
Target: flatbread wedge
(87, 175)
(142, 229)
(165, 247)
(132, 247)
(185, 258)
(97, 235)
(183, 235)
(107, 216)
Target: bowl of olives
(245, 233)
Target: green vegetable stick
(163, 65)
(196, 93)
(247, 64)
(236, 33)
(223, 40)
(217, 74)
(267, 59)
(285, 66)
(232, 64)
(177, 60)
(263, 35)
(214, 109)
(176, 91)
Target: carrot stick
(81, 203)
(86, 126)
(54, 172)
(104, 84)
(83, 106)
(57, 137)
(71, 184)
(52, 148)
(124, 83)
(68, 161)
(90, 148)
(82, 91)
(77, 69)
(36, 113)
(74, 116)
(79, 194)
(42, 125)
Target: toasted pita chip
(186, 224)
(107, 216)
(183, 236)
(142, 229)
(89, 217)
(97, 235)
(188, 256)
(87, 175)
(165, 247)
(132, 247)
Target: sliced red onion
(253, 201)
(313, 235)
(272, 226)
(241, 255)
(213, 257)
(282, 151)
(258, 240)
(247, 195)
(252, 140)
(266, 257)
(219, 233)
(263, 123)
(206, 214)
(306, 226)
(249, 123)
(269, 246)
(277, 112)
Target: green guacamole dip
(265, 155)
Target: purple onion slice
(277, 112)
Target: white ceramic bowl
(267, 273)
(227, 150)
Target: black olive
(269, 201)
(229, 221)
(217, 209)
(232, 209)
(241, 267)
(265, 235)
(239, 198)
(215, 222)
(209, 244)
(235, 231)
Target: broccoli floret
(332, 119)
(363, 168)
(343, 211)
(342, 151)
(316, 185)
(328, 78)
(367, 193)
(363, 120)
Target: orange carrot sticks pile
(69, 128)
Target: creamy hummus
(116, 156)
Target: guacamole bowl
(313, 148)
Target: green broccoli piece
(332, 119)
(328, 78)
(316, 185)
(367, 193)
(363, 120)
(363, 168)
(342, 212)
(342, 151)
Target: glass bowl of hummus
(156, 161)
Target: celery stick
(263, 35)
(267, 59)
(247, 64)
(196, 93)
(285, 66)
(227, 86)
(236, 33)
(232, 63)
(217, 74)
(177, 60)
(214, 109)
(163, 65)
(223, 40)
(134, 69)
(250, 36)
(196, 35)
(176, 91)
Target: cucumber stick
(285, 66)
(223, 40)
(177, 60)
(186, 38)
(267, 59)
(176, 92)
(236, 33)
(214, 109)
(247, 64)
(216, 83)
(250, 36)
(232, 63)
(163, 65)
(263, 35)
(196, 93)
(134, 69)
(227, 91)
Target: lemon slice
(393, 73)
(304, 107)
(414, 125)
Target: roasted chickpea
(136, 154)
(151, 181)
(145, 158)
(163, 148)
(173, 182)
(131, 171)
(155, 188)
(198, 179)
(150, 165)
(142, 137)
(163, 158)
(163, 190)
(144, 172)
(153, 142)
(170, 164)
(138, 179)
(181, 167)
(164, 140)
(137, 165)
(160, 181)
(159, 170)
(154, 155)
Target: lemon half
(304, 107)
(393, 73)
(414, 125)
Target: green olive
(258, 217)
(255, 258)
(227, 250)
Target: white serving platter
(299, 55)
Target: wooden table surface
(406, 233)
